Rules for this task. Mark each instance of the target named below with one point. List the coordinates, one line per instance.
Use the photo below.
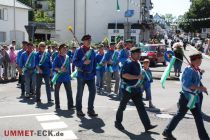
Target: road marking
(53, 125)
(67, 135)
(25, 115)
(47, 118)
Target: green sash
(87, 56)
(43, 58)
(114, 59)
(139, 82)
(29, 61)
(58, 74)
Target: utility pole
(15, 20)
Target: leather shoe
(150, 127)
(92, 114)
(169, 136)
(80, 114)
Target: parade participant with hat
(28, 66)
(125, 53)
(43, 66)
(147, 82)
(21, 76)
(61, 66)
(131, 77)
(192, 88)
(100, 69)
(84, 60)
(111, 61)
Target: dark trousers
(19, 79)
(22, 84)
(39, 78)
(137, 99)
(180, 115)
(92, 92)
(68, 89)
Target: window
(2, 36)
(1, 14)
(5, 14)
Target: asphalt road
(18, 114)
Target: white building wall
(99, 14)
(8, 24)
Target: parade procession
(75, 80)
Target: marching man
(43, 65)
(190, 99)
(131, 89)
(84, 60)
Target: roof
(18, 4)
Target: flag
(118, 6)
(167, 71)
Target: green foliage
(198, 9)
(41, 16)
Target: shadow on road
(142, 136)
(65, 113)
(44, 106)
(29, 101)
(94, 124)
(206, 117)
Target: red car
(153, 52)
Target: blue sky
(175, 7)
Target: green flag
(167, 71)
(118, 6)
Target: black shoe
(38, 101)
(169, 136)
(57, 107)
(27, 95)
(80, 114)
(71, 107)
(119, 126)
(150, 127)
(92, 114)
(50, 101)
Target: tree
(168, 17)
(199, 9)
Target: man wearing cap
(43, 66)
(84, 60)
(21, 76)
(61, 67)
(190, 99)
(125, 53)
(111, 61)
(28, 66)
(131, 88)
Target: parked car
(194, 40)
(153, 52)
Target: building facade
(101, 19)
(13, 18)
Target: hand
(20, 72)
(110, 62)
(63, 69)
(87, 62)
(202, 71)
(40, 71)
(139, 77)
(203, 89)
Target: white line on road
(47, 118)
(25, 115)
(53, 125)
